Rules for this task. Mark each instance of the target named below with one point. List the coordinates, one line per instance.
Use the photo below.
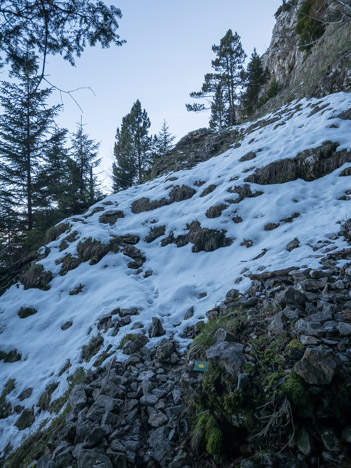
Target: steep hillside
(152, 260)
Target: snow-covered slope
(181, 278)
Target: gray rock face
(344, 329)
(102, 405)
(223, 335)
(44, 462)
(308, 328)
(156, 328)
(229, 355)
(318, 365)
(277, 325)
(294, 244)
(78, 398)
(290, 296)
(160, 445)
(93, 459)
(134, 346)
(165, 350)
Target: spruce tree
(84, 153)
(54, 179)
(163, 141)
(256, 77)
(25, 127)
(222, 87)
(131, 149)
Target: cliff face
(283, 57)
(323, 69)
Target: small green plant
(282, 8)
(273, 89)
(308, 27)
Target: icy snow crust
(179, 275)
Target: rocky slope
(319, 70)
(136, 273)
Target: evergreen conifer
(131, 149)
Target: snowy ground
(179, 275)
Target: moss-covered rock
(45, 398)
(92, 250)
(25, 420)
(68, 263)
(154, 233)
(36, 277)
(110, 217)
(55, 232)
(10, 356)
(216, 210)
(209, 189)
(92, 348)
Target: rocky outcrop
(129, 414)
(317, 71)
(309, 165)
(199, 145)
(177, 194)
(279, 376)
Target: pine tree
(131, 149)
(229, 69)
(223, 86)
(256, 77)
(84, 153)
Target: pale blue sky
(167, 54)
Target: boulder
(318, 365)
(93, 459)
(294, 244)
(290, 296)
(156, 328)
(229, 355)
(78, 398)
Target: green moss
(232, 323)
(208, 429)
(295, 350)
(126, 338)
(268, 354)
(214, 438)
(295, 390)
